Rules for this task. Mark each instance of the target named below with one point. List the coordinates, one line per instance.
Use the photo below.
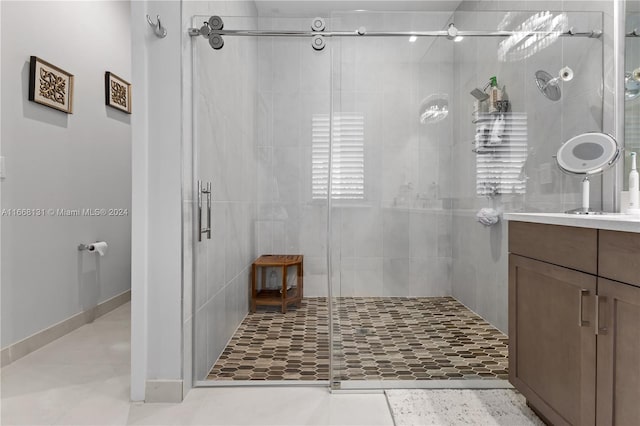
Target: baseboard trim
(163, 391)
(36, 341)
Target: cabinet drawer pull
(599, 330)
(581, 321)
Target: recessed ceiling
(301, 8)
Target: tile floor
(382, 339)
(83, 379)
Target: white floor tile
(83, 379)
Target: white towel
(488, 216)
(497, 131)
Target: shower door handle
(208, 228)
(207, 191)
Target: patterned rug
(460, 407)
(379, 339)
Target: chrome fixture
(549, 86)
(452, 32)
(586, 155)
(318, 42)
(214, 29)
(632, 85)
(207, 30)
(158, 29)
(318, 24)
(206, 189)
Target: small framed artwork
(50, 85)
(117, 92)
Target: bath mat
(460, 407)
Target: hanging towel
(488, 216)
(497, 130)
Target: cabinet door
(552, 342)
(618, 393)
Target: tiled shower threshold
(385, 343)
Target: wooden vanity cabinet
(560, 279)
(618, 391)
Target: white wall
(156, 357)
(55, 160)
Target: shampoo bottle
(495, 95)
(634, 187)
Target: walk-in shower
(351, 139)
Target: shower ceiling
(324, 8)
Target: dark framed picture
(50, 86)
(117, 92)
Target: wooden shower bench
(261, 296)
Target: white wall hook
(160, 31)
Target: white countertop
(609, 221)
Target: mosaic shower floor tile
(434, 338)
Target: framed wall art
(117, 92)
(50, 86)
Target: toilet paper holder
(89, 247)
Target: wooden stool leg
(300, 284)
(254, 291)
(284, 289)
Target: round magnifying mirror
(588, 154)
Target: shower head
(550, 86)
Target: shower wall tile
(264, 119)
(396, 233)
(347, 277)
(314, 73)
(286, 69)
(396, 276)
(368, 278)
(444, 231)
(263, 230)
(423, 235)
(202, 341)
(315, 276)
(286, 174)
(219, 314)
(286, 119)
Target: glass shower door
(261, 117)
(391, 101)
(420, 286)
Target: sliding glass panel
(420, 284)
(261, 108)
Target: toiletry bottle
(495, 95)
(634, 187)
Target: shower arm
(360, 33)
